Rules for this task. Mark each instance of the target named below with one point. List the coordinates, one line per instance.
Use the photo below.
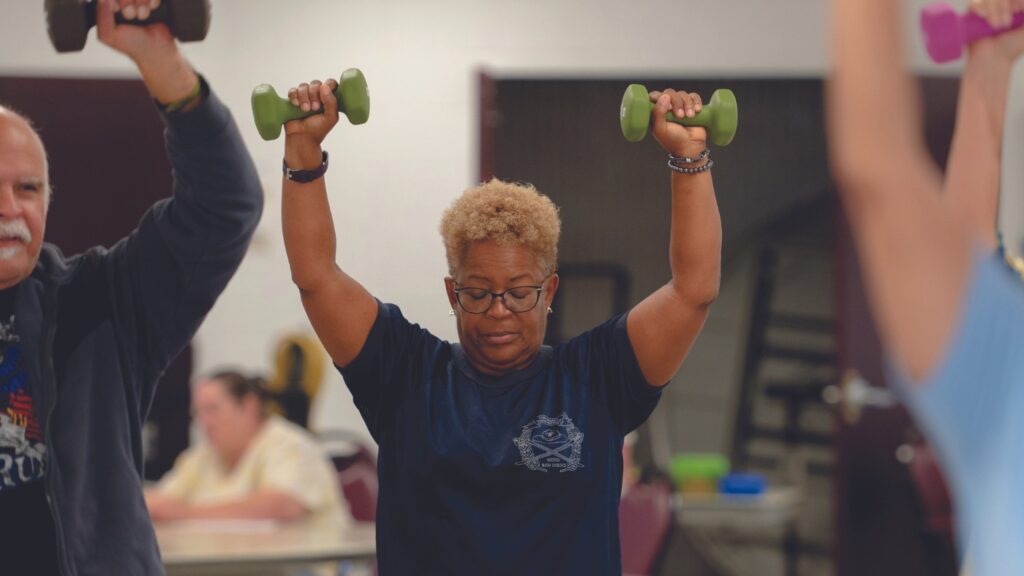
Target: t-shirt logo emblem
(550, 443)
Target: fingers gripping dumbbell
(270, 111)
(68, 21)
(946, 32)
(720, 116)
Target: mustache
(16, 229)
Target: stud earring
(451, 312)
(550, 311)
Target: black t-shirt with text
(27, 535)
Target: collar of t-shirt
(505, 380)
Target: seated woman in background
(251, 465)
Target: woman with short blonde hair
(498, 454)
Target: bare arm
(263, 505)
(170, 270)
(972, 177)
(340, 309)
(914, 254)
(973, 173)
(664, 326)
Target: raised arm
(168, 273)
(914, 254)
(664, 326)
(973, 173)
(340, 309)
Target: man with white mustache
(14, 231)
(83, 340)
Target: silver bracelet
(691, 169)
(686, 159)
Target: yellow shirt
(282, 457)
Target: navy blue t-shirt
(501, 476)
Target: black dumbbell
(68, 21)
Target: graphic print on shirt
(550, 443)
(21, 439)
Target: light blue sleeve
(971, 409)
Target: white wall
(391, 178)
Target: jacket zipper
(50, 386)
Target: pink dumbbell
(946, 32)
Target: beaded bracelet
(692, 170)
(687, 160)
(675, 161)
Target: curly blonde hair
(507, 213)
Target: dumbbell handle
(289, 111)
(155, 16)
(696, 120)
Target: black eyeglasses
(517, 299)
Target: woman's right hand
(313, 96)
(999, 14)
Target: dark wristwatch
(305, 176)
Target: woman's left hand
(675, 138)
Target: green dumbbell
(720, 116)
(271, 111)
(68, 21)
